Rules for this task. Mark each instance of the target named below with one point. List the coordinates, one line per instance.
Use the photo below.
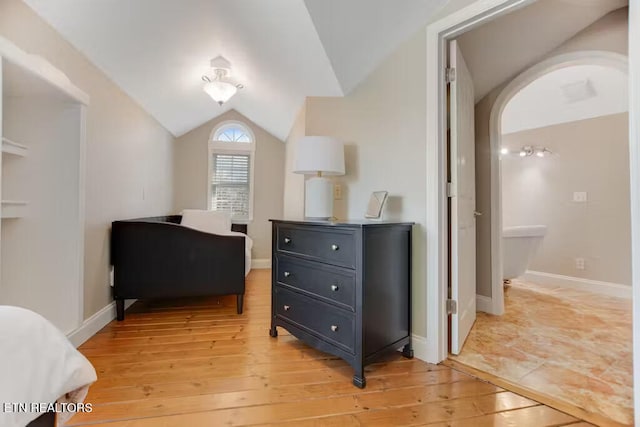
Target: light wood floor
(197, 363)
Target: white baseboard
(260, 263)
(94, 323)
(595, 286)
(484, 304)
(420, 347)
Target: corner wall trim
(94, 323)
(260, 263)
(421, 348)
(484, 304)
(595, 286)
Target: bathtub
(519, 246)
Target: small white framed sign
(376, 203)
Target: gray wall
(191, 173)
(588, 155)
(608, 34)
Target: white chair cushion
(207, 221)
(216, 223)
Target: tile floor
(572, 345)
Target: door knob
(335, 247)
(287, 307)
(334, 328)
(334, 287)
(287, 240)
(476, 213)
(287, 274)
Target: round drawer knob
(334, 328)
(287, 307)
(287, 240)
(287, 274)
(334, 288)
(335, 247)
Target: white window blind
(230, 186)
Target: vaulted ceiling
(502, 48)
(566, 95)
(281, 50)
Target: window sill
(242, 221)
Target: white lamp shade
(319, 154)
(220, 91)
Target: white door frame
(437, 252)
(438, 34)
(584, 57)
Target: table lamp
(320, 156)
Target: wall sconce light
(528, 151)
(542, 151)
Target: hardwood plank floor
(197, 363)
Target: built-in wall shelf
(42, 108)
(13, 208)
(12, 147)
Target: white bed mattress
(38, 365)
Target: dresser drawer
(331, 323)
(332, 283)
(321, 243)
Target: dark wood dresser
(343, 288)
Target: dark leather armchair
(158, 258)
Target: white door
(463, 200)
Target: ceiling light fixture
(218, 82)
(504, 151)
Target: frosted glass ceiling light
(219, 84)
(504, 151)
(220, 91)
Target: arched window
(233, 132)
(231, 156)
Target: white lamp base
(318, 202)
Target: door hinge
(452, 306)
(450, 75)
(450, 190)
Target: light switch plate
(337, 191)
(580, 196)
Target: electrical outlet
(580, 264)
(337, 191)
(580, 196)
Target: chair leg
(240, 301)
(120, 309)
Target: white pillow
(207, 221)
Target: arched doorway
(601, 58)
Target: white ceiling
(357, 35)
(499, 50)
(543, 102)
(281, 50)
